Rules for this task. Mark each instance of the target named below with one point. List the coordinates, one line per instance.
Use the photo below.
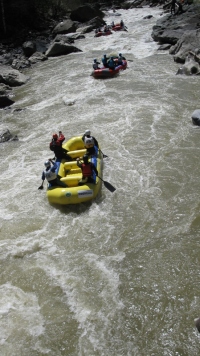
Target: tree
(3, 16)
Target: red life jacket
(86, 170)
(54, 144)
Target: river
(118, 276)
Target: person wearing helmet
(122, 23)
(89, 171)
(50, 174)
(56, 146)
(95, 64)
(90, 143)
(105, 61)
(120, 59)
(111, 63)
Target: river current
(118, 276)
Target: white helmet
(87, 132)
(47, 164)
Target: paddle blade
(109, 186)
(41, 187)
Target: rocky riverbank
(179, 33)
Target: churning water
(118, 276)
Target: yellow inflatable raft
(70, 173)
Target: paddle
(104, 156)
(41, 186)
(108, 185)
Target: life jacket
(86, 170)
(54, 144)
(49, 175)
(89, 142)
(95, 66)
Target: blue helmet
(95, 60)
(120, 54)
(104, 55)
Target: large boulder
(5, 101)
(29, 47)
(85, 13)
(63, 27)
(60, 48)
(12, 77)
(196, 117)
(37, 57)
(190, 67)
(170, 29)
(189, 41)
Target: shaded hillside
(17, 15)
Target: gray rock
(85, 13)
(5, 136)
(29, 47)
(5, 101)
(37, 57)
(66, 26)
(197, 324)
(189, 41)
(12, 77)
(60, 48)
(196, 121)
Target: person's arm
(54, 167)
(78, 162)
(43, 177)
(61, 137)
(95, 142)
(94, 169)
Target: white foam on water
(82, 279)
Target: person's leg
(60, 183)
(83, 181)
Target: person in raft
(95, 64)
(111, 63)
(56, 146)
(120, 59)
(88, 170)
(50, 174)
(105, 61)
(90, 143)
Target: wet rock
(164, 47)
(197, 324)
(5, 136)
(60, 48)
(29, 47)
(189, 41)
(63, 27)
(181, 31)
(37, 57)
(12, 77)
(5, 101)
(196, 121)
(190, 67)
(85, 13)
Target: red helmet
(55, 136)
